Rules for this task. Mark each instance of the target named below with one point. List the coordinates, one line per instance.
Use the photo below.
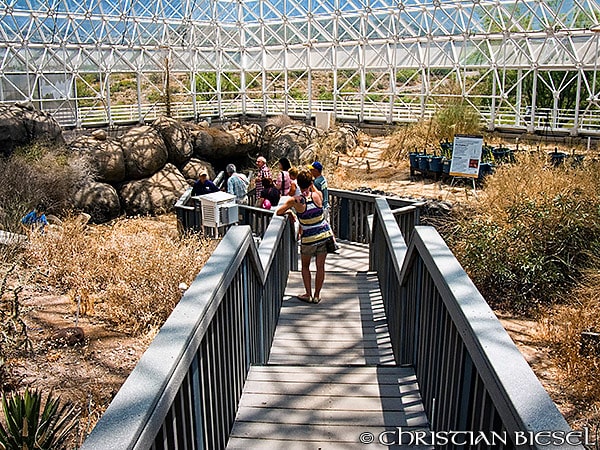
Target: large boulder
(99, 200)
(105, 156)
(214, 143)
(343, 138)
(154, 195)
(194, 167)
(246, 135)
(177, 138)
(231, 144)
(291, 141)
(22, 124)
(145, 152)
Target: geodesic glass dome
(524, 64)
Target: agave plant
(30, 427)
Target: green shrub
(530, 235)
(29, 426)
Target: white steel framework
(526, 64)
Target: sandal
(315, 299)
(304, 298)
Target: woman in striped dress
(315, 233)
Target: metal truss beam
(519, 63)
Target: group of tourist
(268, 190)
(301, 194)
(237, 184)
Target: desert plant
(561, 328)
(128, 272)
(455, 118)
(529, 238)
(29, 426)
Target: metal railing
(563, 120)
(185, 390)
(350, 211)
(471, 375)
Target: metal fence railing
(509, 117)
(350, 211)
(471, 375)
(349, 217)
(185, 390)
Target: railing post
(246, 303)
(418, 285)
(344, 231)
(197, 403)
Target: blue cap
(317, 165)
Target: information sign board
(466, 156)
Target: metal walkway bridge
(331, 373)
(402, 352)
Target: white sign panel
(466, 156)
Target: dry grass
(528, 238)
(579, 373)
(415, 137)
(530, 243)
(127, 272)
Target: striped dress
(315, 230)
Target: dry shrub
(38, 173)
(425, 135)
(531, 234)
(561, 328)
(415, 137)
(129, 272)
(325, 149)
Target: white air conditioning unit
(218, 209)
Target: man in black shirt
(204, 185)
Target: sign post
(466, 157)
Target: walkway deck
(331, 374)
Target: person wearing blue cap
(316, 169)
(320, 183)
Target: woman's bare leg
(320, 276)
(305, 259)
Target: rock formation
(99, 200)
(22, 124)
(105, 156)
(154, 195)
(144, 171)
(145, 152)
(177, 139)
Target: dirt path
(365, 167)
(87, 374)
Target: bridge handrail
(186, 387)
(350, 211)
(471, 375)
